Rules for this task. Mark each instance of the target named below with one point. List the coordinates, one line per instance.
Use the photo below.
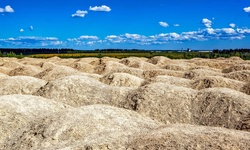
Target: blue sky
(150, 24)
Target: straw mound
(133, 71)
(108, 67)
(246, 88)
(163, 102)
(83, 67)
(96, 126)
(18, 111)
(81, 90)
(156, 72)
(65, 62)
(206, 68)
(220, 107)
(47, 65)
(216, 81)
(56, 73)
(167, 95)
(159, 60)
(20, 85)
(176, 67)
(116, 67)
(197, 73)
(243, 75)
(107, 59)
(170, 80)
(26, 70)
(54, 59)
(2, 75)
(218, 64)
(4, 70)
(90, 60)
(137, 63)
(12, 64)
(179, 136)
(238, 67)
(244, 124)
(31, 61)
(122, 79)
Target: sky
(130, 24)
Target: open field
(128, 103)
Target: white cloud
(7, 9)
(176, 25)
(100, 8)
(80, 13)
(163, 24)
(207, 23)
(21, 30)
(247, 9)
(232, 25)
(228, 30)
(31, 28)
(88, 37)
(210, 30)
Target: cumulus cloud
(176, 25)
(164, 38)
(32, 41)
(100, 8)
(247, 9)
(7, 9)
(206, 22)
(163, 24)
(232, 25)
(88, 37)
(21, 30)
(84, 40)
(79, 13)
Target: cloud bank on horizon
(115, 25)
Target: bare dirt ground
(130, 103)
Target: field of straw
(130, 103)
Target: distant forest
(121, 53)
(30, 51)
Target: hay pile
(190, 137)
(79, 91)
(90, 60)
(57, 72)
(27, 70)
(197, 73)
(83, 67)
(137, 63)
(132, 103)
(238, 67)
(159, 61)
(169, 80)
(176, 67)
(243, 75)
(216, 81)
(122, 79)
(215, 63)
(156, 72)
(96, 126)
(220, 107)
(20, 85)
(163, 102)
(17, 112)
(246, 88)
(108, 67)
